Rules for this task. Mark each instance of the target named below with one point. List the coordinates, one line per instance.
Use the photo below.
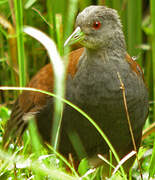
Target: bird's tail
(14, 127)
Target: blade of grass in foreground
(58, 20)
(36, 166)
(35, 139)
(20, 43)
(153, 49)
(59, 75)
(152, 164)
(70, 18)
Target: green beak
(75, 37)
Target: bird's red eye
(96, 25)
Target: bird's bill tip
(75, 37)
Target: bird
(93, 85)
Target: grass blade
(153, 49)
(152, 162)
(58, 68)
(20, 42)
(134, 28)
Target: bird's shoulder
(134, 66)
(74, 57)
(44, 80)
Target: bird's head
(97, 27)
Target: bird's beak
(75, 37)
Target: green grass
(153, 49)
(32, 159)
(20, 43)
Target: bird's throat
(105, 54)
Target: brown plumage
(93, 85)
(33, 102)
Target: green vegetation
(21, 57)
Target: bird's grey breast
(95, 81)
(96, 85)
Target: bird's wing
(30, 102)
(134, 66)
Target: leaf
(152, 162)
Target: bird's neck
(115, 48)
(105, 54)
